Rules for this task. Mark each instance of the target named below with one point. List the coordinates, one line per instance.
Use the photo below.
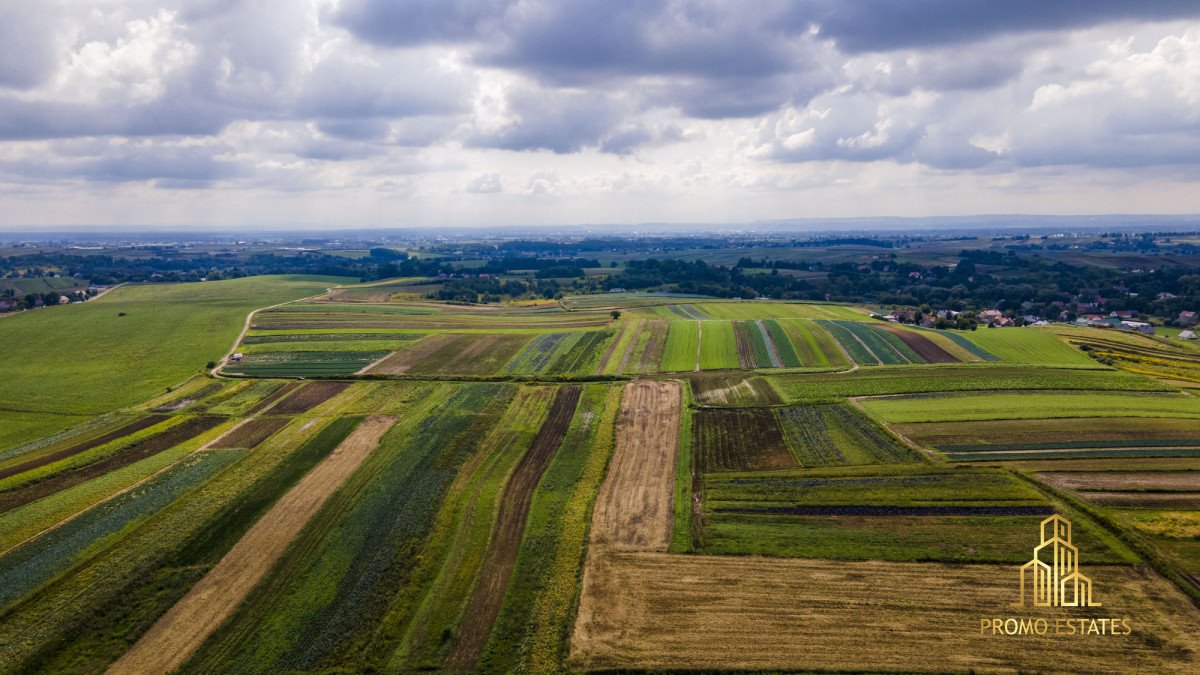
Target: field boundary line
(699, 341)
(857, 339)
(854, 365)
(114, 495)
(930, 454)
(364, 369)
(769, 342)
(218, 371)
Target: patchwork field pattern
(529, 487)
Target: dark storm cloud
(180, 166)
(883, 25)
(27, 55)
(27, 120)
(413, 22)
(722, 60)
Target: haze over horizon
(367, 113)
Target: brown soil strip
(401, 361)
(250, 434)
(477, 346)
(1179, 481)
(132, 427)
(273, 397)
(510, 526)
(312, 395)
(923, 346)
(1147, 500)
(1050, 430)
(151, 446)
(745, 345)
(178, 633)
(633, 507)
(695, 612)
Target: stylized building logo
(1052, 578)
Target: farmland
(383, 483)
(141, 339)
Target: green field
(718, 347)
(680, 352)
(1027, 345)
(87, 358)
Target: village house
(1187, 318)
(1187, 335)
(1124, 314)
(990, 314)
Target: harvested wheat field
(179, 632)
(704, 612)
(634, 504)
(401, 361)
(633, 507)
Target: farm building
(1187, 335)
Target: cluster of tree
(981, 279)
(174, 265)
(490, 289)
(1003, 279)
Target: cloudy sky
(490, 112)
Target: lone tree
(616, 314)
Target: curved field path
(178, 633)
